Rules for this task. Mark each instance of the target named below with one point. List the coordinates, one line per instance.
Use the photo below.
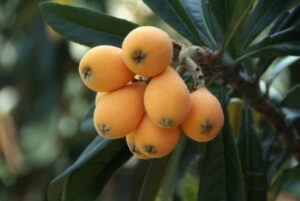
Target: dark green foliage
(285, 42)
(153, 178)
(292, 98)
(173, 12)
(85, 26)
(250, 153)
(85, 179)
(263, 14)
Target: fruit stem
(185, 62)
(196, 71)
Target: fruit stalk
(186, 63)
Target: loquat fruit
(120, 111)
(206, 117)
(134, 149)
(102, 69)
(154, 141)
(167, 99)
(147, 51)
(98, 97)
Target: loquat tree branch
(212, 64)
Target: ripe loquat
(120, 111)
(102, 69)
(98, 97)
(147, 51)
(167, 99)
(134, 149)
(206, 117)
(154, 141)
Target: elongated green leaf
(220, 172)
(283, 64)
(241, 10)
(292, 98)
(223, 10)
(183, 186)
(205, 22)
(85, 26)
(86, 177)
(281, 43)
(251, 158)
(264, 13)
(262, 65)
(87, 123)
(212, 184)
(154, 178)
(176, 16)
(171, 175)
(287, 19)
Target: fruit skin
(147, 51)
(167, 99)
(154, 141)
(102, 69)
(120, 111)
(99, 96)
(136, 151)
(206, 117)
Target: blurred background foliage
(45, 109)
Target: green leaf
(287, 19)
(177, 17)
(286, 42)
(262, 65)
(292, 98)
(187, 179)
(241, 10)
(264, 13)
(201, 14)
(87, 123)
(280, 66)
(250, 152)
(85, 179)
(223, 11)
(85, 26)
(171, 175)
(154, 178)
(220, 170)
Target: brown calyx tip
(206, 127)
(150, 149)
(167, 122)
(104, 129)
(139, 56)
(87, 73)
(134, 149)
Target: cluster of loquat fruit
(152, 112)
